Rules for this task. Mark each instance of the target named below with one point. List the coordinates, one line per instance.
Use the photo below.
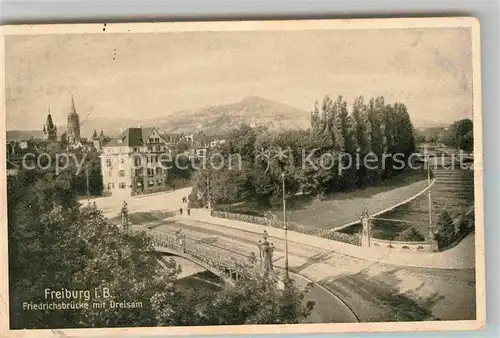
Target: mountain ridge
(211, 119)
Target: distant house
(23, 145)
(12, 169)
(131, 163)
(217, 142)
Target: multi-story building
(135, 162)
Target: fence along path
(269, 220)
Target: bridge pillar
(124, 214)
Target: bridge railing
(216, 257)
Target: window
(137, 161)
(151, 172)
(122, 185)
(110, 173)
(158, 171)
(121, 173)
(138, 172)
(109, 163)
(151, 183)
(165, 171)
(159, 182)
(109, 186)
(122, 160)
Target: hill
(215, 119)
(218, 119)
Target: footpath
(459, 257)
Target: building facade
(73, 133)
(135, 162)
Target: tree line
(366, 128)
(459, 135)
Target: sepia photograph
(242, 177)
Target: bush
(193, 201)
(410, 235)
(446, 234)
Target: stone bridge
(226, 264)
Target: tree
(257, 301)
(466, 224)
(56, 243)
(460, 134)
(446, 234)
(325, 158)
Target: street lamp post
(431, 233)
(285, 226)
(87, 182)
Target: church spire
(50, 124)
(73, 108)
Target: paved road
(329, 308)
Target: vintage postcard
(243, 177)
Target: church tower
(73, 124)
(49, 129)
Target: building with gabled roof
(134, 163)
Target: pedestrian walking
(180, 211)
(189, 211)
(173, 186)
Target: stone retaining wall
(426, 246)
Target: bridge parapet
(227, 263)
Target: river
(453, 191)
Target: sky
(142, 76)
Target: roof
(132, 137)
(11, 166)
